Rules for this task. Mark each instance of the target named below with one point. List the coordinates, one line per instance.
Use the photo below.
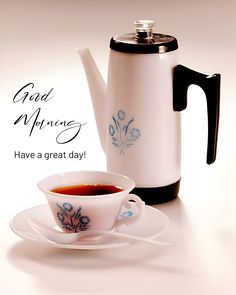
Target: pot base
(158, 195)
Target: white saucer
(151, 224)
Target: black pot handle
(183, 78)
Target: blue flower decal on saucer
(123, 135)
(126, 214)
(71, 218)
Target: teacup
(90, 208)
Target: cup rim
(60, 174)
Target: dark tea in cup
(87, 189)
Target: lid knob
(144, 30)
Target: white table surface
(38, 41)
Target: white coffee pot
(138, 111)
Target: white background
(38, 41)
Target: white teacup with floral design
(74, 213)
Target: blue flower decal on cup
(71, 218)
(67, 206)
(121, 131)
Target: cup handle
(130, 219)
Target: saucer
(151, 224)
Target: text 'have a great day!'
(50, 155)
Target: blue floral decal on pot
(71, 218)
(123, 135)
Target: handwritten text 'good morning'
(69, 130)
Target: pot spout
(97, 88)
